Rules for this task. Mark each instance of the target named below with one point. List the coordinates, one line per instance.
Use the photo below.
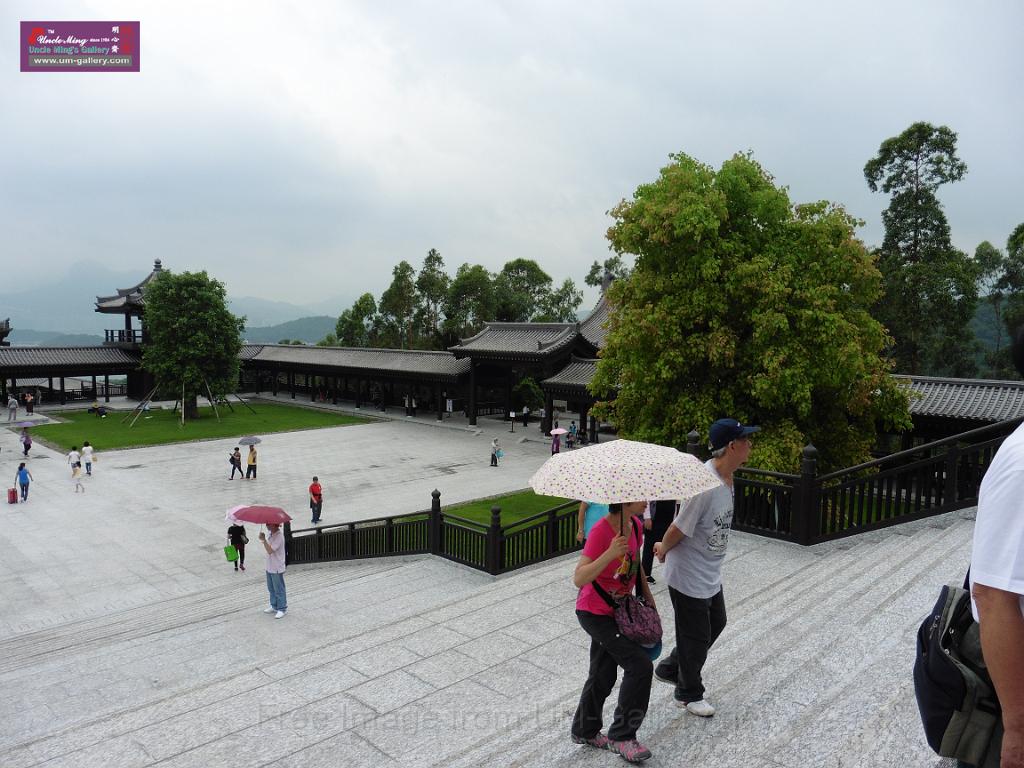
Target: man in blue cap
(693, 550)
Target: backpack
(955, 695)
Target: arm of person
(588, 569)
(672, 537)
(1002, 643)
(580, 520)
(648, 515)
(645, 589)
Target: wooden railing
(492, 548)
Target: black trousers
(609, 650)
(250, 470)
(699, 622)
(664, 512)
(241, 554)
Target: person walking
(693, 550)
(526, 415)
(22, 478)
(316, 499)
(26, 441)
(250, 470)
(556, 444)
(235, 460)
(590, 513)
(76, 478)
(237, 538)
(30, 403)
(657, 519)
(495, 450)
(74, 459)
(274, 544)
(87, 457)
(611, 560)
(12, 407)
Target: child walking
(76, 478)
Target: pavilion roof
(573, 379)
(44, 360)
(593, 328)
(128, 300)
(442, 366)
(983, 400)
(519, 341)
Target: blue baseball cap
(724, 431)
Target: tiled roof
(127, 297)
(976, 399)
(249, 351)
(578, 373)
(43, 358)
(518, 340)
(592, 328)
(423, 363)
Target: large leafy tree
(432, 283)
(470, 302)
(193, 341)
(930, 287)
(559, 305)
(742, 304)
(354, 326)
(398, 305)
(520, 290)
(614, 267)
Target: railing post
(434, 523)
(287, 542)
(950, 484)
(350, 541)
(319, 545)
(389, 536)
(493, 553)
(806, 501)
(552, 530)
(693, 443)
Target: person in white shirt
(274, 544)
(87, 457)
(74, 459)
(997, 582)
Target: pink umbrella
(559, 431)
(261, 515)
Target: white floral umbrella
(621, 471)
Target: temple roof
(572, 379)
(519, 341)
(128, 300)
(66, 359)
(396, 362)
(982, 400)
(593, 328)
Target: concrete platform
(126, 640)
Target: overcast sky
(298, 151)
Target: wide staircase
(421, 662)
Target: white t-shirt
(74, 458)
(997, 559)
(87, 454)
(694, 565)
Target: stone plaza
(128, 641)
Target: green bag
(230, 553)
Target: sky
(299, 151)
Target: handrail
(425, 512)
(1009, 425)
(539, 515)
(766, 473)
(465, 521)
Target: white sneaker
(700, 708)
(269, 610)
(280, 615)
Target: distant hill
(307, 329)
(27, 337)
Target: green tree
(432, 283)
(991, 266)
(330, 340)
(613, 266)
(742, 304)
(1011, 284)
(398, 305)
(560, 305)
(354, 326)
(193, 341)
(520, 290)
(930, 287)
(470, 302)
(527, 392)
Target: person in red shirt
(316, 499)
(611, 557)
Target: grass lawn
(159, 427)
(514, 507)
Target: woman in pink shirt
(611, 557)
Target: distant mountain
(27, 337)
(307, 329)
(262, 312)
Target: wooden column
(472, 394)
(106, 387)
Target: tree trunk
(192, 407)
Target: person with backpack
(611, 561)
(997, 585)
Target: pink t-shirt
(597, 542)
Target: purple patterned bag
(637, 620)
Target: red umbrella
(261, 515)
